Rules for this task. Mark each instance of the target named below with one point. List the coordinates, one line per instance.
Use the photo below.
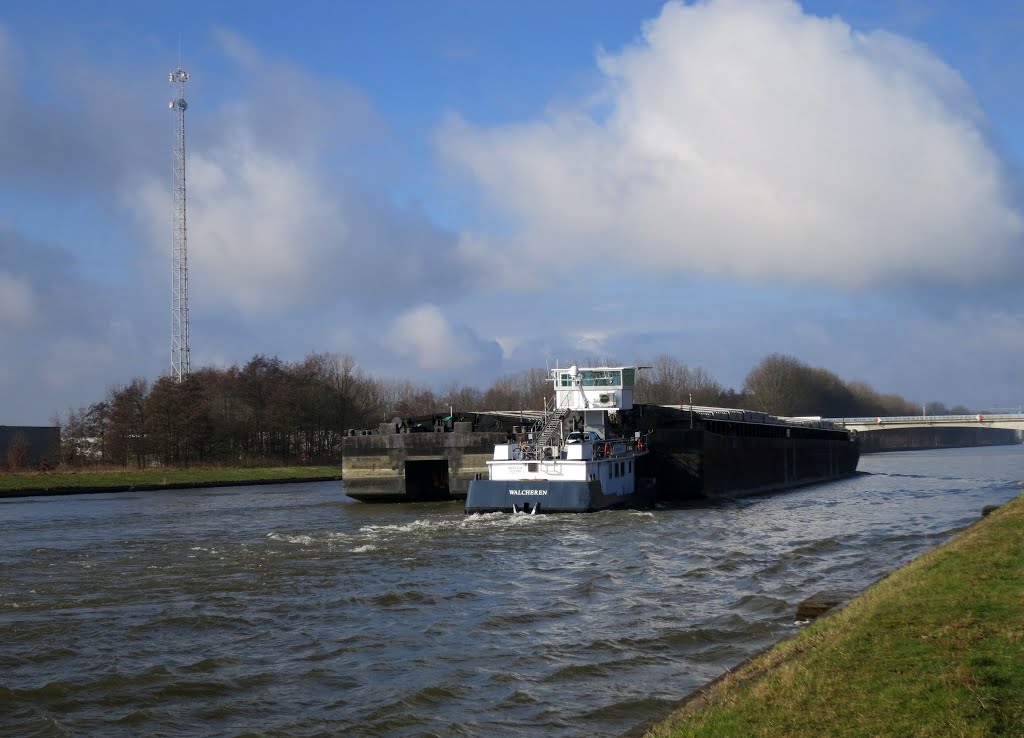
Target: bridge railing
(903, 419)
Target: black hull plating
(689, 464)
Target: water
(290, 610)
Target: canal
(292, 610)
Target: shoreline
(741, 697)
(96, 481)
(87, 490)
(935, 448)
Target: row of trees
(783, 385)
(271, 411)
(266, 410)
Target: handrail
(534, 451)
(882, 420)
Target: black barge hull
(745, 460)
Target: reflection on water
(293, 609)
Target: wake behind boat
(585, 467)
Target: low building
(35, 445)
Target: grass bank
(99, 481)
(935, 649)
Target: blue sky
(449, 191)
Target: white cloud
(17, 303)
(63, 336)
(425, 338)
(264, 226)
(8, 59)
(277, 220)
(745, 138)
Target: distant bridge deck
(1008, 422)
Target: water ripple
(285, 610)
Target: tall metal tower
(179, 238)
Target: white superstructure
(574, 443)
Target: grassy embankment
(935, 649)
(156, 478)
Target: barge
(686, 452)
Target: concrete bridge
(1013, 421)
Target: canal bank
(46, 484)
(933, 649)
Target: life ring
(640, 444)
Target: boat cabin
(595, 392)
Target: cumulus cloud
(276, 219)
(17, 303)
(8, 59)
(749, 139)
(63, 337)
(260, 227)
(425, 338)
(69, 124)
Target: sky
(453, 190)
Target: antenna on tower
(179, 236)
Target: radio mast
(179, 238)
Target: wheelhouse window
(601, 378)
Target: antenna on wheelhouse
(179, 233)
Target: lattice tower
(179, 238)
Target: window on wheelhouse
(601, 378)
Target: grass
(935, 649)
(157, 477)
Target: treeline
(266, 412)
(275, 412)
(783, 385)
(779, 385)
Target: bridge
(1013, 421)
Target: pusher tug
(570, 469)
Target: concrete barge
(420, 459)
(694, 452)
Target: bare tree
(461, 397)
(125, 432)
(525, 390)
(18, 457)
(774, 384)
(669, 381)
